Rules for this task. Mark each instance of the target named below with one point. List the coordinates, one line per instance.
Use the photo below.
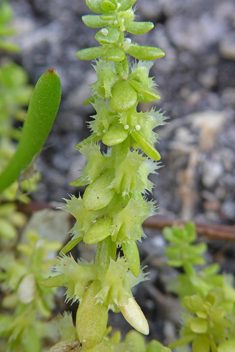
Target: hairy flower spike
(114, 203)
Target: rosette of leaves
(5, 29)
(114, 204)
(31, 303)
(208, 327)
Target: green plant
(114, 204)
(207, 295)
(5, 30)
(23, 329)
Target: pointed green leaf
(92, 138)
(145, 52)
(150, 93)
(115, 135)
(132, 256)
(94, 21)
(123, 97)
(89, 53)
(70, 245)
(139, 27)
(55, 281)
(108, 35)
(114, 54)
(146, 146)
(42, 110)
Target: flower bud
(134, 316)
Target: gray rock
(227, 46)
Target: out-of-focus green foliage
(5, 29)
(14, 97)
(27, 304)
(207, 295)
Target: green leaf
(32, 342)
(139, 27)
(126, 4)
(148, 92)
(94, 21)
(154, 346)
(132, 256)
(108, 35)
(145, 52)
(136, 340)
(89, 53)
(109, 6)
(115, 135)
(114, 54)
(7, 230)
(7, 32)
(193, 303)
(227, 346)
(92, 138)
(175, 263)
(211, 269)
(199, 325)
(200, 248)
(191, 232)
(201, 344)
(93, 316)
(95, 5)
(42, 110)
(9, 46)
(146, 146)
(123, 97)
(97, 195)
(55, 281)
(99, 231)
(5, 12)
(70, 245)
(182, 341)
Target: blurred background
(196, 81)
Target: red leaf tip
(51, 70)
